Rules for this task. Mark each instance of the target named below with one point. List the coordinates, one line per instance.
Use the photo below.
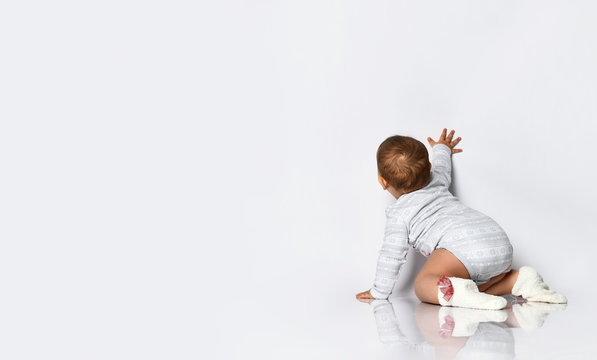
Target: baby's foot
(530, 286)
(453, 291)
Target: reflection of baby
(451, 334)
(456, 331)
(469, 255)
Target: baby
(469, 255)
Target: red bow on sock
(445, 286)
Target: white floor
(131, 303)
(403, 328)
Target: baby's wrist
(377, 295)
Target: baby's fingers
(364, 295)
(455, 142)
(454, 151)
(366, 301)
(450, 136)
(431, 142)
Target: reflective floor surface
(405, 328)
(429, 331)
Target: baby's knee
(417, 286)
(426, 288)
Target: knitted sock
(530, 286)
(453, 291)
(455, 321)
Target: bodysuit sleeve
(441, 164)
(391, 257)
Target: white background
(182, 179)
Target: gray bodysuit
(432, 218)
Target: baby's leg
(527, 283)
(501, 287)
(444, 280)
(440, 263)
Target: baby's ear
(382, 181)
(430, 165)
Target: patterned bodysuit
(432, 218)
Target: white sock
(530, 286)
(455, 321)
(453, 291)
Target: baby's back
(433, 215)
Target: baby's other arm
(391, 257)
(441, 162)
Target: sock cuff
(445, 290)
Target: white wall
(169, 155)
(515, 79)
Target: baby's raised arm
(441, 162)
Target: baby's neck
(396, 193)
(399, 193)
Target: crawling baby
(469, 255)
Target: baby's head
(403, 165)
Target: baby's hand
(365, 297)
(446, 141)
